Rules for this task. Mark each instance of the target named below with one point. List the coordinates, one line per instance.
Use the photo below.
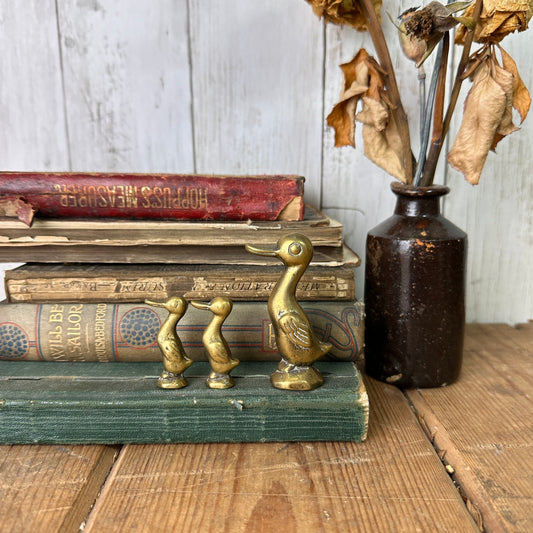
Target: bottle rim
(404, 189)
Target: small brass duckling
(175, 361)
(295, 338)
(218, 351)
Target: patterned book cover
(127, 332)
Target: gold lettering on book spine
(100, 332)
(169, 198)
(131, 196)
(65, 333)
(73, 332)
(55, 333)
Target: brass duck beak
(261, 251)
(200, 305)
(154, 304)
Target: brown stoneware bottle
(414, 292)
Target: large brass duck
(295, 338)
(175, 360)
(218, 351)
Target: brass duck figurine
(218, 351)
(295, 338)
(175, 360)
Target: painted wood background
(240, 86)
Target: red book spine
(156, 196)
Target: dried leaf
(374, 114)
(342, 120)
(343, 12)
(498, 19)
(521, 96)
(383, 144)
(362, 76)
(342, 116)
(505, 80)
(483, 112)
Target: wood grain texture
(482, 426)
(50, 488)
(257, 88)
(33, 132)
(393, 482)
(127, 88)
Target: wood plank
(257, 88)
(482, 426)
(95, 403)
(507, 351)
(33, 134)
(50, 488)
(127, 85)
(523, 335)
(392, 482)
(517, 338)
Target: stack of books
(96, 246)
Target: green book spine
(108, 332)
(82, 403)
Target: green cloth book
(82, 403)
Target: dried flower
(420, 30)
(343, 12)
(488, 112)
(498, 19)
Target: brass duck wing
(297, 331)
(175, 360)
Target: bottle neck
(417, 206)
(418, 201)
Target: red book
(150, 196)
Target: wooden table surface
(453, 459)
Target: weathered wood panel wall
(237, 86)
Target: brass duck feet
(296, 377)
(219, 381)
(168, 380)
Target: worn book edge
(120, 403)
(46, 282)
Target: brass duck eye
(295, 248)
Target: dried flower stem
(435, 105)
(437, 142)
(438, 117)
(398, 112)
